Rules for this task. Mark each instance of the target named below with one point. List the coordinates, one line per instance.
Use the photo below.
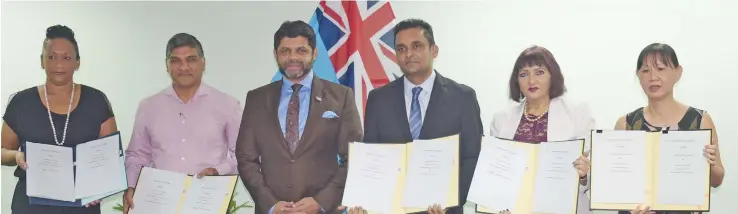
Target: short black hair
(182, 40)
(665, 52)
(64, 32)
(416, 23)
(293, 29)
(540, 56)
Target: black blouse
(27, 116)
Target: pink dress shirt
(183, 137)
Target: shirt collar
(202, 90)
(427, 85)
(306, 83)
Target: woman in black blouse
(658, 71)
(59, 112)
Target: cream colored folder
(525, 197)
(653, 141)
(230, 181)
(452, 198)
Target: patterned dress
(532, 131)
(692, 119)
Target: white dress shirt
(423, 97)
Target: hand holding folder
(403, 178)
(664, 170)
(166, 192)
(526, 178)
(82, 174)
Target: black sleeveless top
(692, 119)
(28, 117)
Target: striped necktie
(416, 119)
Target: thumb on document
(20, 159)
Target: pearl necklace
(66, 122)
(535, 118)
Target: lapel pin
(319, 99)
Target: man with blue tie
(292, 129)
(425, 105)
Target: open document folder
(165, 192)
(525, 177)
(665, 170)
(75, 176)
(403, 178)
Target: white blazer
(567, 120)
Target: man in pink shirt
(189, 127)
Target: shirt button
(183, 140)
(183, 158)
(289, 185)
(292, 161)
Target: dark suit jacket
(453, 109)
(266, 166)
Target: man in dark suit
(425, 105)
(292, 129)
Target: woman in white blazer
(542, 114)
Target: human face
(535, 82)
(295, 57)
(658, 78)
(413, 51)
(59, 60)
(185, 66)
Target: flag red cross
(360, 32)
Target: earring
(521, 95)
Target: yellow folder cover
(452, 198)
(653, 143)
(525, 197)
(230, 181)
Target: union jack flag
(356, 45)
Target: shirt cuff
(132, 173)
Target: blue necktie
(416, 120)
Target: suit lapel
(315, 113)
(435, 109)
(516, 119)
(557, 114)
(274, 93)
(398, 98)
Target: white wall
(596, 44)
